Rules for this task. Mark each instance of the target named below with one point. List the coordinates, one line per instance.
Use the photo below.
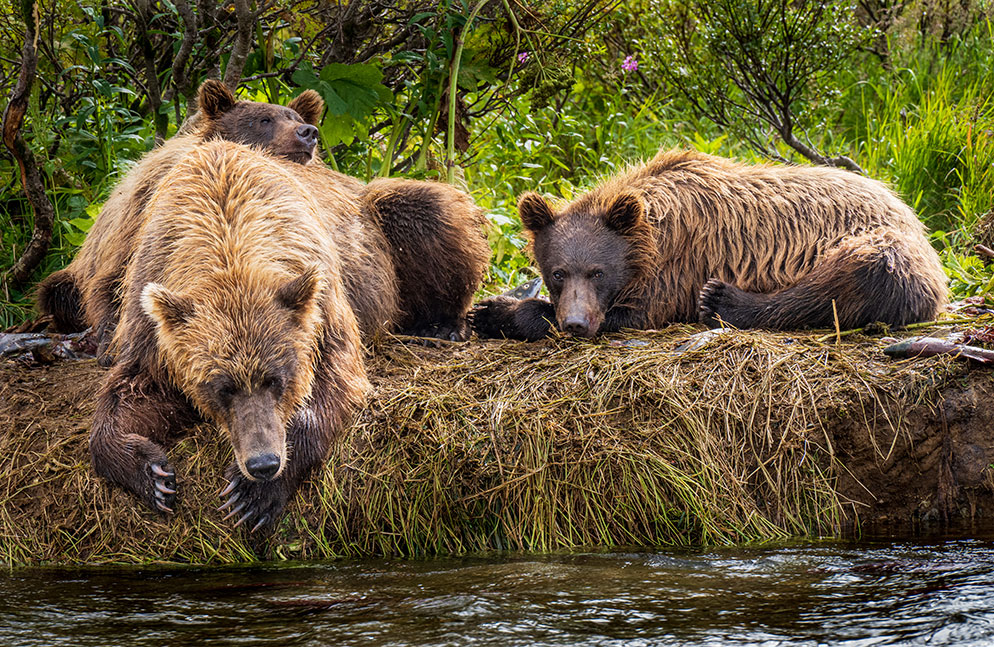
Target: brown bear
(233, 309)
(85, 293)
(689, 236)
(419, 220)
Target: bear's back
(226, 207)
(714, 194)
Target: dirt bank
(541, 446)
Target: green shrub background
(544, 102)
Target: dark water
(904, 593)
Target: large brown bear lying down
(424, 241)
(689, 236)
(233, 309)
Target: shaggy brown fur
(233, 309)
(85, 293)
(690, 236)
(439, 252)
(393, 224)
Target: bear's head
(288, 131)
(243, 350)
(587, 254)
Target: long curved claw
(161, 487)
(243, 518)
(158, 471)
(259, 524)
(227, 504)
(229, 488)
(238, 508)
(162, 506)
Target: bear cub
(688, 237)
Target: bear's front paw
(722, 304)
(163, 491)
(260, 503)
(493, 317)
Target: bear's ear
(625, 214)
(299, 293)
(535, 212)
(214, 98)
(309, 105)
(168, 309)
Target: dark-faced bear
(290, 132)
(689, 236)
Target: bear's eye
(597, 274)
(265, 120)
(226, 392)
(558, 276)
(273, 383)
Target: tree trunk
(13, 118)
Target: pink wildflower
(630, 64)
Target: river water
(935, 592)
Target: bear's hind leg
(879, 276)
(134, 415)
(439, 250)
(59, 296)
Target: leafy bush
(551, 98)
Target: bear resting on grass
(424, 240)
(233, 309)
(688, 237)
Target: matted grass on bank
(505, 446)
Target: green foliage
(351, 93)
(720, 77)
(968, 276)
(755, 65)
(928, 126)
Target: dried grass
(498, 445)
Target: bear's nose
(308, 134)
(263, 467)
(576, 326)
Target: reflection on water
(937, 593)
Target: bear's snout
(308, 135)
(263, 467)
(578, 326)
(577, 312)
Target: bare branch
(242, 46)
(181, 82)
(13, 118)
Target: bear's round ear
(214, 98)
(299, 293)
(625, 214)
(309, 105)
(535, 212)
(167, 309)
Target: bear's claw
(706, 300)
(163, 486)
(238, 508)
(259, 501)
(457, 330)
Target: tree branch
(13, 118)
(242, 46)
